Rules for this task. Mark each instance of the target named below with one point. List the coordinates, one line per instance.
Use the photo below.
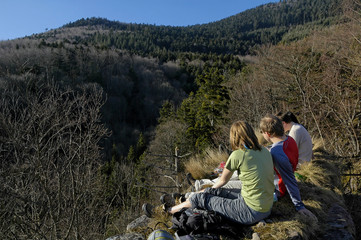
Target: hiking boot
(148, 209)
(179, 196)
(166, 208)
(190, 179)
(167, 199)
(176, 195)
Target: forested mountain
(136, 92)
(238, 34)
(108, 53)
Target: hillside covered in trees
(92, 112)
(238, 34)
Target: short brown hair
(272, 125)
(242, 133)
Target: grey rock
(338, 235)
(255, 236)
(340, 224)
(261, 224)
(140, 222)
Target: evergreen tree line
(238, 34)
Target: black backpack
(196, 221)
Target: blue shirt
(284, 167)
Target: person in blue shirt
(284, 153)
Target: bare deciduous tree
(319, 79)
(49, 150)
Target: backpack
(195, 221)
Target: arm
(284, 167)
(226, 175)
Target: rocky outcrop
(321, 194)
(340, 224)
(339, 227)
(141, 222)
(132, 234)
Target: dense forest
(238, 34)
(91, 113)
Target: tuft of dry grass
(160, 216)
(318, 145)
(288, 229)
(202, 165)
(321, 173)
(159, 220)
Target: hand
(308, 213)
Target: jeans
(229, 203)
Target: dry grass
(160, 220)
(288, 229)
(286, 222)
(202, 165)
(318, 144)
(319, 190)
(321, 173)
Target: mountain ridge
(237, 34)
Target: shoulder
(290, 141)
(235, 160)
(277, 150)
(290, 148)
(236, 155)
(276, 147)
(265, 151)
(298, 128)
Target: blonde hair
(242, 136)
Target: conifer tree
(166, 112)
(207, 108)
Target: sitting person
(285, 158)
(299, 134)
(254, 164)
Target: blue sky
(19, 18)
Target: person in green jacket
(254, 164)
